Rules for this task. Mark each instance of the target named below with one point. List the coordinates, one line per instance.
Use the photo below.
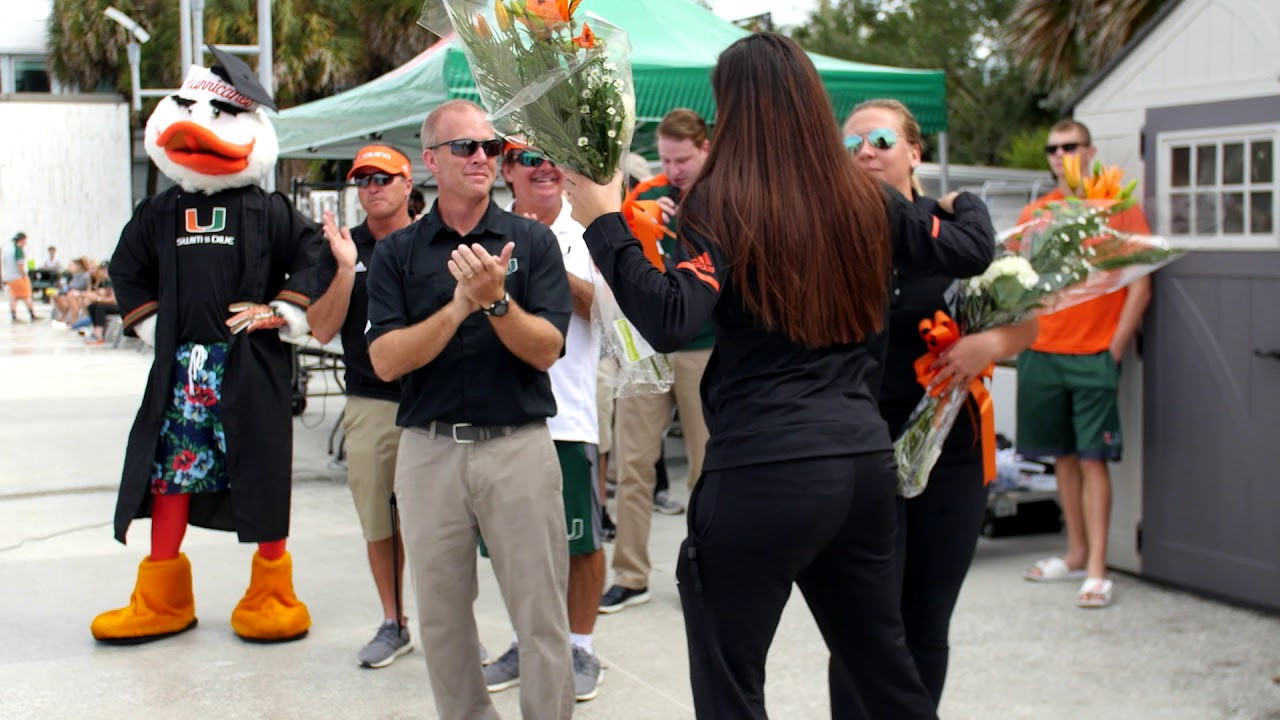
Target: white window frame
(1218, 136)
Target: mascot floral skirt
(191, 455)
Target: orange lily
(563, 7)
(587, 39)
(548, 11)
(503, 17)
(1071, 171)
(573, 5)
(482, 28)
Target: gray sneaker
(504, 672)
(665, 504)
(588, 675)
(391, 642)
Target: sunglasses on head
(528, 158)
(880, 139)
(379, 179)
(467, 148)
(1064, 147)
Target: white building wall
(64, 175)
(1204, 51)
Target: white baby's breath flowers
(582, 141)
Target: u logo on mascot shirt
(218, 224)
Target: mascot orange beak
(196, 147)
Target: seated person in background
(52, 263)
(102, 303)
(65, 308)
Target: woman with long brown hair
(787, 247)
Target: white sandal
(1095, 593)
(1053, 569)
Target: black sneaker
(618, 598)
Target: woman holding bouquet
(798, 481)
(938, 529)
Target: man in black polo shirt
(339, 302)
(469, 307)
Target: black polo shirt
(361, 380)
(475, 379)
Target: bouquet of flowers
(557, 83)
(1066, 255)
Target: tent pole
(944, 183)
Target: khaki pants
(640, 422)
(509, 488)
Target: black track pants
(826, 524)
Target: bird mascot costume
(211, 273)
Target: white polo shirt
(573, 377)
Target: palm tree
(86, 48)
(1062, 40)
(316, 45)
(391, 34)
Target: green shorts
(581, 498)
(1067, 406)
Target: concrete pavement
(1019, 650)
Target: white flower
(582, 141)
(611, 111)
(617, 85)
(586, 109)
(586, 94)
(611, 67)
(1014, 266)
(613, 133)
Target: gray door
(1211, 486)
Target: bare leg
(382, 564)
(1096, 501)
(1071, 497)
(586, 584)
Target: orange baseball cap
(381, 157)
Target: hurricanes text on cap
(381, 157)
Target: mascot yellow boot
(212, 273)
(162, 604)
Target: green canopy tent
(675, 45)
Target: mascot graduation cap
(211, 273)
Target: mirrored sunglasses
(379, 179)
(528, 158)
(880, 139)
(467, 148)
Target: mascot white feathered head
(213, 133)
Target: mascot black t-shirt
(209, 261)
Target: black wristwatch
(499, 307)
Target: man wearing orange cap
(340, 306)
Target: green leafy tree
(988, 95)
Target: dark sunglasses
(528, 158)
(880, 139)
(1064, 147)
(467, 148)
(379, 179)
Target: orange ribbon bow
(645, 219)
(940, 333)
